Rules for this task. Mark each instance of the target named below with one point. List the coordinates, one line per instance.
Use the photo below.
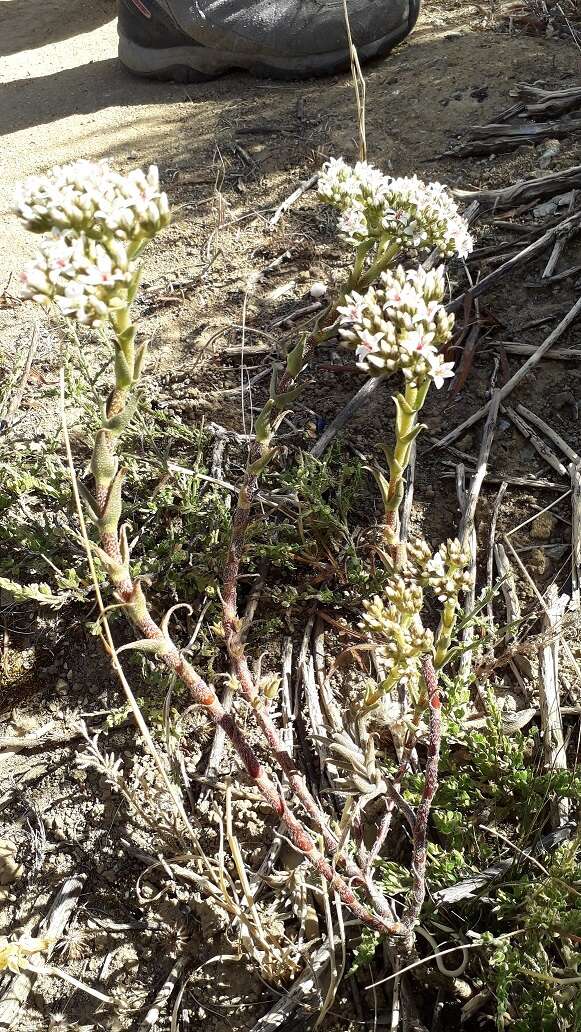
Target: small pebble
(543, 527)
(539, 562)
(318, 290)
(466, 443)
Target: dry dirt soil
(229, 152)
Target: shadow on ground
(28, 24)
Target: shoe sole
(199, 63)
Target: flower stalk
(96, 224)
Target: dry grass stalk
(549, 701)
(330, 706)
(490, 558)
(359, 85)
(16, 400)
(467, 524)
(567, 648)
(508, 588)
(468, 501)
(467, 535)
(258, 880)
(315, 713)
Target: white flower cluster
(405, 211)
(396, 623)
(400, 325)
(98, 220)
(446, 572)
(90, 197)
(85, 280)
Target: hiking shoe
(190, 41)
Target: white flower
(400, 324)
(367, 343)
(91, 198)
(352, 224)
(353, 311)
(446, 572)
(403, 212)
(441, 370)
(418, 341)
(85, 280)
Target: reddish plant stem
(132, 595)
(235, 643)
(419, 845)
(297, 782)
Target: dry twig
(575, 474)
(548, 431)
(537, 442)
(549, 701)
(514, 381)
(522, 258)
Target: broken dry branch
(467, 524)
(514, 381)
(522, 258)
(540, 446)
(495, 137)
(293, 198)
(345, 416)
(549, 703)
(548, 431)
(558, 354)
(549, 102)
(508, 196)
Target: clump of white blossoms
(98, 221)
(92, 198)
(400, 325)
(402, 213)
(446, 572)
(87, 281)
(394, 623)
